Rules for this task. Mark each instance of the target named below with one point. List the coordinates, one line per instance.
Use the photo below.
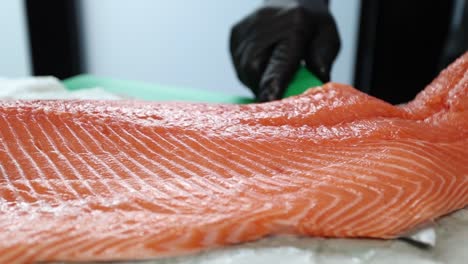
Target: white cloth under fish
(448, 236)
(48, 88)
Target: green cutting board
(302, 81)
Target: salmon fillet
(119, 180)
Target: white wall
(14, 47)
(346, 13)
(182, 42)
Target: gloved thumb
(323, 49)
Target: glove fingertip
(270, 89)
(321, 71)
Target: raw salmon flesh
(102, 180)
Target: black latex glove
(268, 46)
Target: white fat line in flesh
(463, 200)
(169, 186)
(34, 164)
(124, 238)
(398, 224)
(294, 220)
(11, 254)
(330, 207)
(206, 182)
(341, 212)
(378, 173)
(108, 245)
(59, 245)
(255, 181)
(446, 206)
(326, 170)
(240, 166)
(112, 238)
(171, 245)
(372, 213)
(228, 169)
(458, 145)
(161, 156)
(395, 157)
(211, 236)
(98, 161)
(121, 241)
(151, 238)
(425, 152)
(271, 160)
(261, 157)
(120, 164)
(252, 180)
(56, 168)
(134, 161)
(168, 172)
(456, 152)
(266, 184)
(378, 210)
(122, 244)
(448, 172)
(8, 184)
(174, 189)
(90, 246)
(141, 250)
(15, 233)
(65, 143)
(396, 166)
(278, 184)
(152, 174)
(304, 167)
(18, 168)
(336, 199)
(226, 227)
(30, 251)
(391, 211)
(179, 240)
(239, 228)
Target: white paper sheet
(451, 231)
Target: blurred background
(185, 42)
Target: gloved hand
(268, 46)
